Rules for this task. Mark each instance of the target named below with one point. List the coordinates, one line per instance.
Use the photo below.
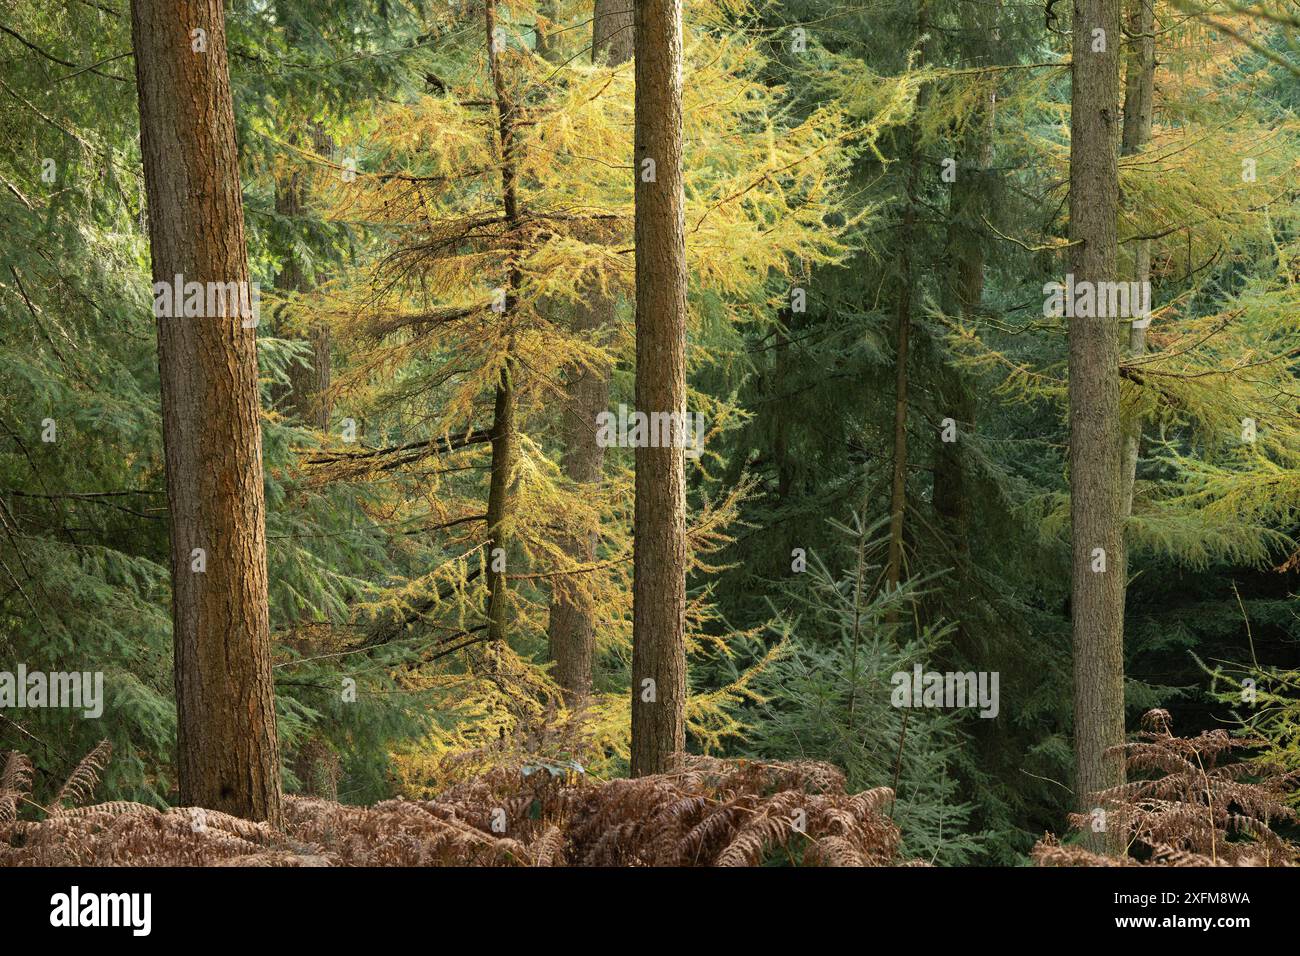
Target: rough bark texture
(1139, 93)
(228, 754)
(498, 509)
(504, 439)
(1097, 597)
(571, 630)
(659, 522)
(612, 32)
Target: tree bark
(612, 32)
(571, 631)
(659, 519)
(227, 750)
(499, 507)
(1097, 596)
(504, 437)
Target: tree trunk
(1139, 92)
(308, 387)
(612, 32)
(308, 384)
(659, 519)
(571, 630)
(1097, 596)
(498, 509)
(227, 750)
(504, 438)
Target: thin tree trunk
(571, 630)
(308, 388)
(1097, 596)
(504, 438)
(227, 750)
(499, 507)
(1139, 93)
(659, 520)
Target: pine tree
(1097, 567)
(659, 530)
(227, 747)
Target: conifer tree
(227, 747)
(1097, 583)
(659, 530)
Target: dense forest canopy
(419, 398)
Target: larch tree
(1097, 583)
(500, 514)
(228, 752)
(424, 328)
(659, 521)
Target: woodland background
(848, 294)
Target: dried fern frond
(711, 812)
(1183, 805)
(15, 784)
(80, 786)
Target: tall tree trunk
(1139, 93)
(308, 387)
(228, 753)
(659, 519)
(504, 438)
(571, 630)
(308, 383)
(1097, 595)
